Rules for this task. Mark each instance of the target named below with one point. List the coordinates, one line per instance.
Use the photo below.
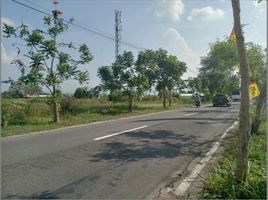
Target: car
(221, 100)
(236, 97)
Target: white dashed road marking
(190, 114)
(114, 134)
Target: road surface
(120, 159)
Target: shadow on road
(153, 144)
(42, 195)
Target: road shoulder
(168, 190)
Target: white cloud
(261, 7)
(205, 14)
(6, 57)
(171, 9)
(262, 4)
(176, 45)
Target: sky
(185, 28)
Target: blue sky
(183, 27)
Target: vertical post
(118, 29)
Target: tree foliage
(85, 92)
(123, 75)
(49, 65)
(219, 71)
(163, 71)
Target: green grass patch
(37, 116)
(221, 183)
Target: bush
(221, 184)
(117, 96)
(38, 109)
(83, 92)
(13, 112)
(68, 104)
(149, 98)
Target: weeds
(35, 114)
(221, 183)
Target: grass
(221, 183)
(86, 111)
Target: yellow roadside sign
(253, 90)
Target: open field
(30, 115)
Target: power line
(42, 7)
(105, 35)
(81, 26)
(100, 31)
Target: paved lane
(139, 154)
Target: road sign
(253, 90)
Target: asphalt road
(120, 159)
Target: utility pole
(118, 29)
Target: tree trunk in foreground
(56, 116)
(130, 103)
(170, 98)
(55, 107)
(164, 97)
(244, 117)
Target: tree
(162, 70)
(244, 118)
(96, 91)
(256, 58)
(124, 76)
(49, 65)
(217, 73)
(195, 84)
(85, 92)
(82, 92)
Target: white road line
(184, 185)
(114, 134)
(190, 114)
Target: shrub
(37, 109)
(150, 98)
(13, 112)
(117, 96)
(68, 104)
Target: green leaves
(85, 56)
(9, 31)
(82, 76)
(47, 20)
(219, 66)
(24, 30)
(48, 48)
(219, 71)
(160, 68)
(49, 66)
(123, 75)
(35, 38)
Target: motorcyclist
(197, 100)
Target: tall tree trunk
(130, 103)
(164, 97)
(244, 118)
(170, 98)
(56, 115)
(259, 108)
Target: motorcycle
(197, 103)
